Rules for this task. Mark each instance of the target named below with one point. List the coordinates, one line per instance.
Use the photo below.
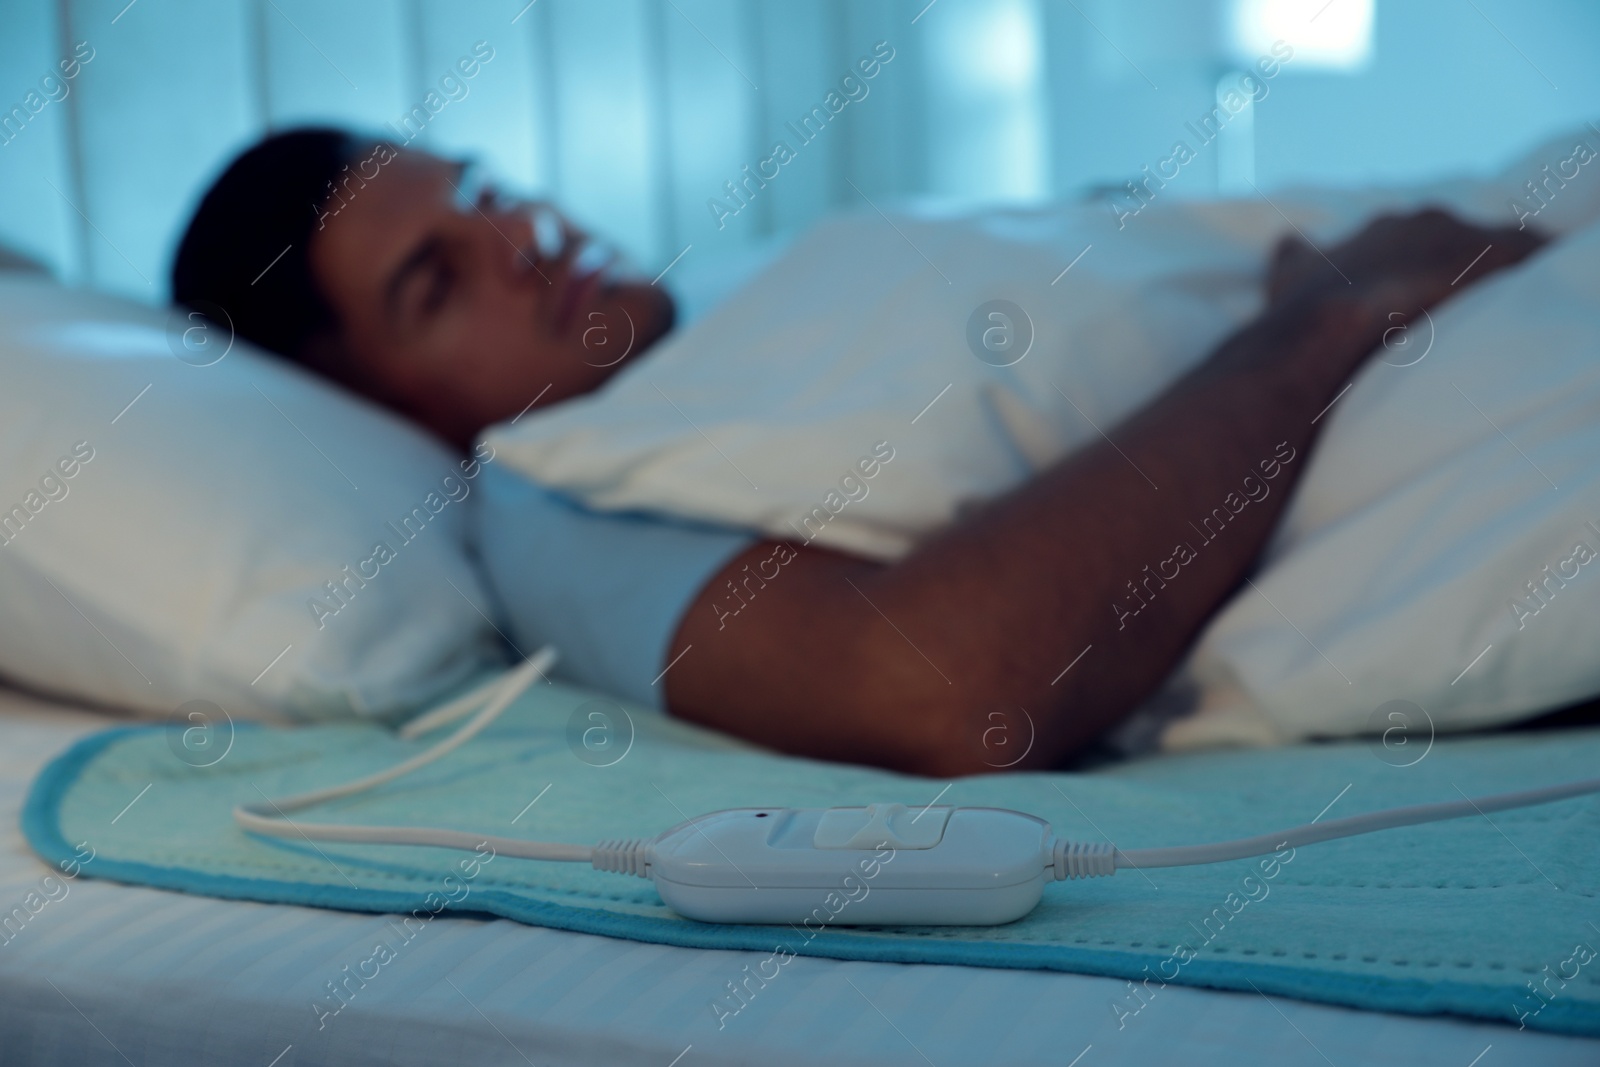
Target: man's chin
(637, 316)
(664, 314)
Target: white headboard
(633, 114)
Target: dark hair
(245, 250)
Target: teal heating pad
(1494, 917)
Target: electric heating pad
(1486, 915)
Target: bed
(112, 974)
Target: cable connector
(1082, 859)
(629, 855)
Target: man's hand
(1398, 263)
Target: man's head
(394, 273)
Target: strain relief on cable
(1082, 859)
(629, 855)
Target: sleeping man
(460, 310)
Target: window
(1325, 34)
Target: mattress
(113, 974)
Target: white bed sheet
(115, 975)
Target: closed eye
(421, 284)
(441, 279)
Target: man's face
(459, 309)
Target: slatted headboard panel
(634, 113)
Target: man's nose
(510, 234)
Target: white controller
(884, 864)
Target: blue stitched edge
(41, 827)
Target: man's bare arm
(1106, 561)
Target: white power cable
(271, 817)
(450, 711)
(1080, 860)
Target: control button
(880, 826)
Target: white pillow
(169, 527)
(1443, 546)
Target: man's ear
(326, 355)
